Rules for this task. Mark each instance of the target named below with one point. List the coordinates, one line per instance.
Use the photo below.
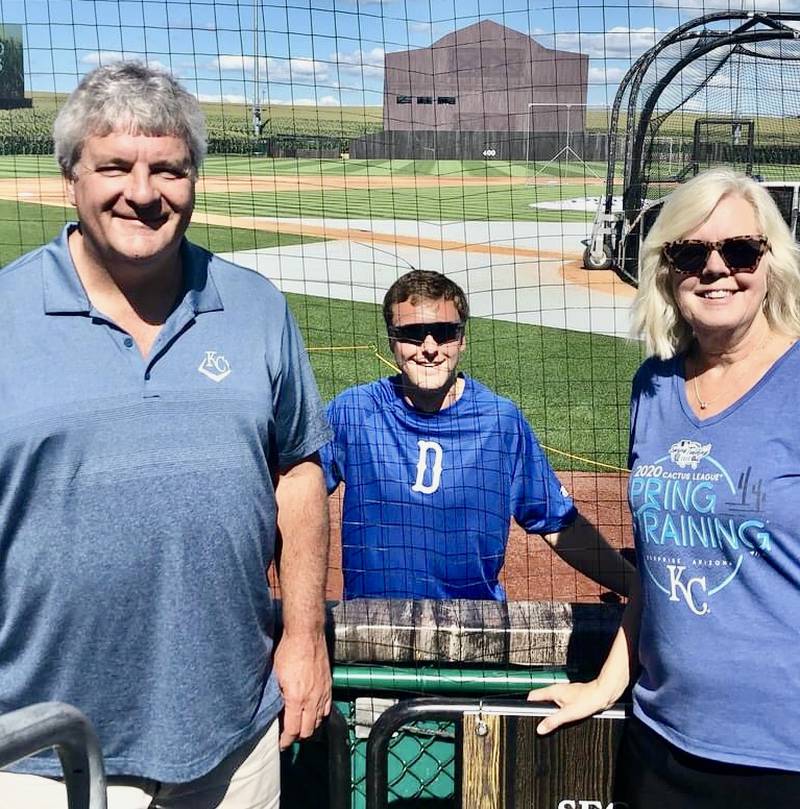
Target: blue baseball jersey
(429, 496)
(715, 512)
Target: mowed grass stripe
(251, 165)
(446, 203)
(265, 166)
(257, 166)
(28, 166)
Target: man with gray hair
(159, 426)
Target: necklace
(706, 403)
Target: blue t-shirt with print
(429, 497)
(715, 505)
(137, 510)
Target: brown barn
(482, 79)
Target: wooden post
(483, 762)
(506, 765)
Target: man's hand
(304, 676)
(301, 657)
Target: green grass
(24, 227)
(28, 166)
(573, 387)
(243, 165)
(226, 240)
(509, 202)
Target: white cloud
(245, 64)
(616, 43)
(360, 62)
(95, 58)
(299, 69)
(325, 101)
(606, 75)
(304, 70)
(227, 98)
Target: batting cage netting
(521, 150)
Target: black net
(722, 90)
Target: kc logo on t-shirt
(695, 525)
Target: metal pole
(256, 77)
(54, 724)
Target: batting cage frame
(669, 85)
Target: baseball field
(333, 234)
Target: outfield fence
(482, 145)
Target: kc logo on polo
(214, 366)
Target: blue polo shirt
(137, 510)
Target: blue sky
(326, 52)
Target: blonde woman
(711, 642)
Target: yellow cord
(585, 460)
(372, 347)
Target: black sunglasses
(417, 332)
(738, 253)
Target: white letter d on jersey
(422, 466)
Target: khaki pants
(249, 778)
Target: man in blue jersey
(158, 423)
(435, 465)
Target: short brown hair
(424, 285)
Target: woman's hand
(575, 701)
(578, 700)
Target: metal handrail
(391, 720)
(55, 724)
